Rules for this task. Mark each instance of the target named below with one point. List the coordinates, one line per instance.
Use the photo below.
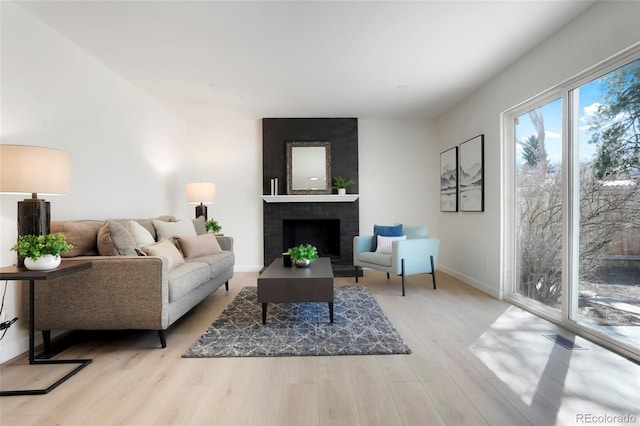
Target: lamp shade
(201, 193)
(28, 169)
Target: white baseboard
(247, 268)
(498, 294)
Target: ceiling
(378, 59)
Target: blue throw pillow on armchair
(385, 231)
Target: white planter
(44, 263)
(342, 191)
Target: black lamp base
(34, 217)
(201, 210)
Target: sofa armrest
(416, 253)
(362, 243)
(226, 242)
(117, 292)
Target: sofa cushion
(168, 230)
(184, 278)
(415, 231)
(82, 234)
(200, 245)
(165, 248)
(115, 240)
(218, 263)
(385, 244)
(385, 231)
(140, 234)
(375, 258)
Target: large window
(572, 203)
(538, 204)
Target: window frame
(568, 315)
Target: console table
(15, 273)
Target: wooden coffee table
(281, 284)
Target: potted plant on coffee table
(41, 252)
(341, 184)
(303, 255)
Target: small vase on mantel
(43, 263)
(342, 191)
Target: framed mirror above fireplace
(308, 168)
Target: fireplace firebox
(324, 234)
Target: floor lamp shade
(34, 170)
(201, 193)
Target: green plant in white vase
(41, 252)
(212, 226)
(341, 184)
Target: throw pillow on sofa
(164, 248)
(200, 245)
(168, 230)
(142, 236)
(115, 240)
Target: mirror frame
(327, 150)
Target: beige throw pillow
(201, 245)
(115, 240)
(142, 236)
(164, 248)
(168, 230)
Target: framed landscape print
(449, 180)
(471, 175)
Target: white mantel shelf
(328, 198)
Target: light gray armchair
(412, 253)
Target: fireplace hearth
(329, 226)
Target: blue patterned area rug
(297, 329)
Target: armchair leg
(388, 273)
(356, 275)
(226, 286)
(402, 266)
(433, 273)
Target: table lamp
(201, 193)
(34, 170)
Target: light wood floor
(475, 360)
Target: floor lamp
(201, 193)
(34, 170)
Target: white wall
(399, 174)
(126, 148)
(471, 250)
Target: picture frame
(471, 175)
(449, 180)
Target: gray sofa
(125, 288)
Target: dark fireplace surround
(330, 226)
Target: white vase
(43, 263)
(342, 191)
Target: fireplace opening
(324, 234)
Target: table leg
(264, 313)
(331, 312)
(31, 321)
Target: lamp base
(201, 210)
(34, 217)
